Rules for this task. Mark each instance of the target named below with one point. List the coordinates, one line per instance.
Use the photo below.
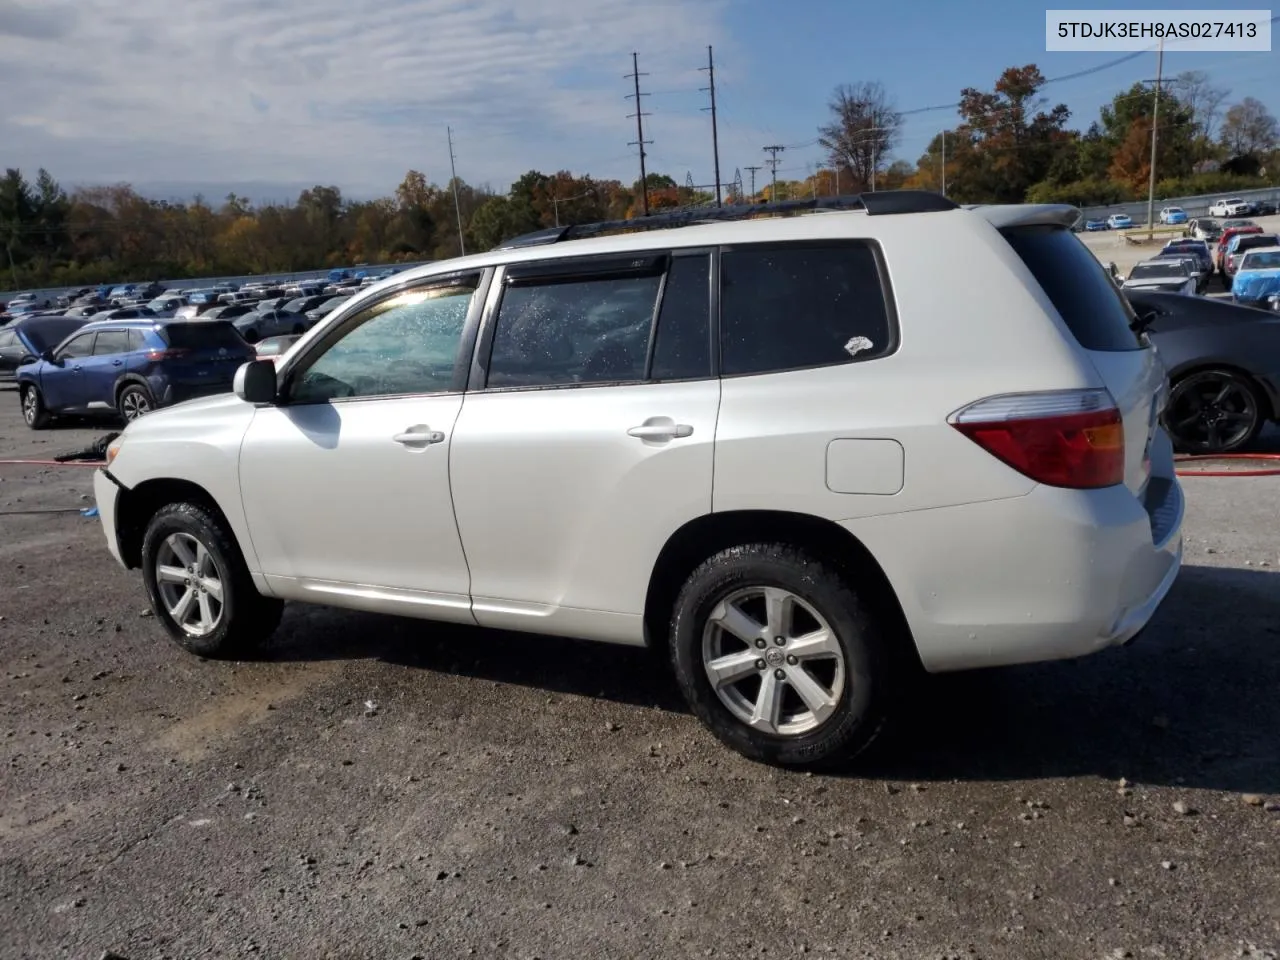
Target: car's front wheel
(776, 653)
(199, 586)
(34, 412)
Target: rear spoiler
(1003, 216)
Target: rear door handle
(419, 436)
(660, 429)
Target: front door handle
(117, 363)
(419, 435)
(660, 429)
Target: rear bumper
(1052, 575)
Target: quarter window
(574, 330)
(407, 344)
(790, 306)
(682, 346)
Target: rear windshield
(1266, 260)
(45, 335)
(205, 335)
(1250, 240)
(1157, 271)
(1089, 302)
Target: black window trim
(74, 335)
(562, 270)
(886, 293)
(466, 344)
(98, 335)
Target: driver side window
(405, 345)
(81, 346)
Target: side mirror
(48, 357)
(255, 382)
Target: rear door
(587, 438)
(1098, 317)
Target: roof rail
(875, 204)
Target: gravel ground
(373, 787)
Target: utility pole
(1155, 128)
(752, 171)
(944, 163)
(773, 161)
(457, 207)
(715, 140)
(640, 141)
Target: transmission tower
(752, 171)
(639, 116)
(773, 162)
(737, 185)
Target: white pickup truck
(1230, 207)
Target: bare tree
(1202, 98)
(863, 131)
(1249, 129)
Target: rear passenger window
(573, 330)
(682, 347)
(110, 342)
(790, 306)
(1089, 302)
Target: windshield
(1158, 271)
(202, 335)
(1262, 260)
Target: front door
(585, 448)
(345, 482)
(63, 383)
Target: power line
(639, 116)
(715, 140)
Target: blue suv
(130, 367)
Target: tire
(856, 671)
(251, 336)
(134, 401)
(242, 620)
(1214, 411)
(34, 413)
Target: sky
(269, 96)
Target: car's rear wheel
(199, 586)
(776, 653)
(134, 401)
(33, 409)
(251, 336)
(1213, 411)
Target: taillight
(171, 353)
(1066, 438)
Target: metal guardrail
(1196, 206)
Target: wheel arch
(826, 540)
(127, 379)
(136, 506)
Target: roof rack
(878, 203)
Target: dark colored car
(1264, 208)
(304, 304)
(1224, 368)
(330, 304)
(25, 339)
(71, 296)
(130, 367)
(270, 323)
(229, 311)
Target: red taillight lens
(172, 353)
(1068, 438)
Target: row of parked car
(1246, 258)
(1177, 216)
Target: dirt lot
(523, 797)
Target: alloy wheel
(190, 584)
(30, 405)
(1212, 412)
(773, 661)
(134, 404)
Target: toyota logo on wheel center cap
(774, 657)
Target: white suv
(808, 455)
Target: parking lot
(373, 787)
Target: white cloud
(329, 91)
